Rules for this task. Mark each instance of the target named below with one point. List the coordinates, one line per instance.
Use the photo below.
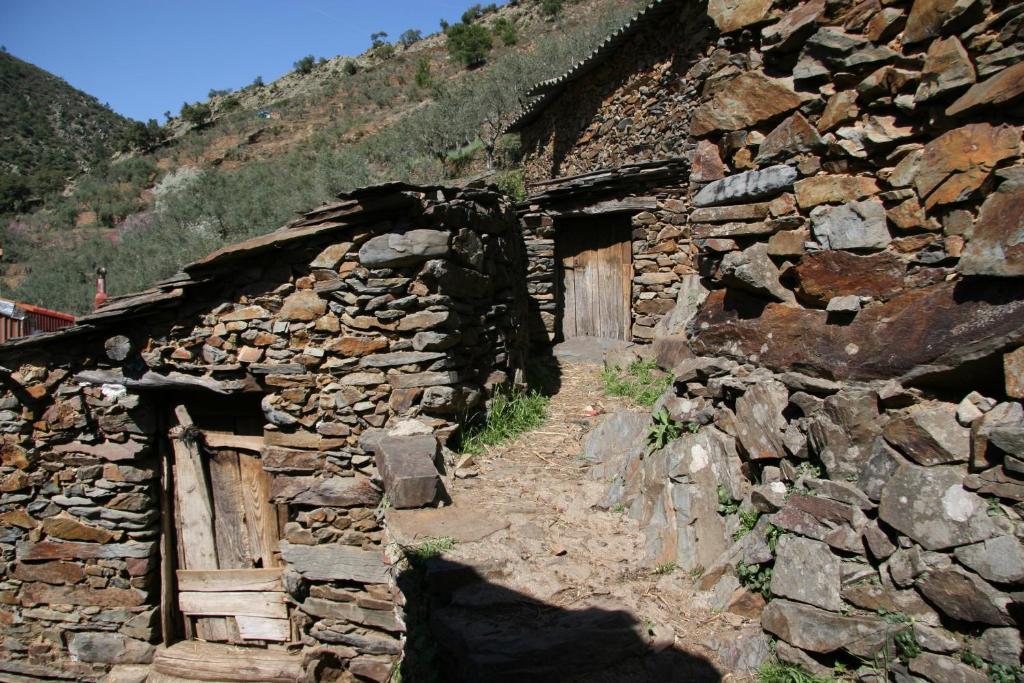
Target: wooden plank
(260, 516)
(231, 580)
(193, 660)
(260, 628)
(266, 604)
(587, 291)
(626, 276)
(231, 534)
(192, 499)
(168, 547)
(213, 629)
(232, 441)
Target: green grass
(429, 548)
(665, 569)
(511, 414)
(640, 382)
(777, 672)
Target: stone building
(202, 465)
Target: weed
(806, 469)
(639, 381)
(777, 672)
(906, 643)
(663, 430)
(512, 183)
(726, 505)
(428, 548)
(1004, 673)
(748, 518)
(665, 569)
(619, 507)
(994, 508)
(696, 572)
(512, 413)
(772, 534)
(756, 577)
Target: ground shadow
(464, 628)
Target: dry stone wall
(388, 324)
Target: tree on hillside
(497, 99)
(551, 8)
(379, 38)
(198, 114)
(424, 79)
(469, 44)
(410, 38)
(142, 136)
(506, 30)
(305, 65)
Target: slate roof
(547, 91)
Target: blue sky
(144, 57)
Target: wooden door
(229, 570)
(596, 259)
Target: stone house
(836, 154)
(202, 465)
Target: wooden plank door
(596, 259)
(229, 572)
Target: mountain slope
(49, 132)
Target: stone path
(548, 587)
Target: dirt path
(590, 598)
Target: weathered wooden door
(229, 570)
(596, 259)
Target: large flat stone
(817, 630)
(109, 648)
(929, 434)
(748, 186)
(330, 490)
(1005, 86)
(732, 15)
(964, 596)
(336, 563)
(464, 525)
(854, 225)
(807, 571)
(931, 506)
(742, 101)
(996, 246)
(407, 249)
(406, 466)
(824, 275)
(999, 559)
(922, 334)
(956, 163)
(947, 68)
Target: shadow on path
(463, 628)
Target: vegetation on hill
(49, 132)
(270, 150)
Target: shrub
(424, 79)
(383, 52)
(506, 30)
(512, 183)
(198, 114)
(512, 413)
(551, 8)
(756, 577)
(410, 38)
(469, 44)
(472, 14)
(305, 65)
(350, 67)
(230, 103)
(257, 82)
(217, 93)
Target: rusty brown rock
(732, 15)
(45, 594)
(743, 101)
(73, 530)
(997, 245)
(956, 164)
(908, 215)
(1005, 86)
(707, 163)
(49, 572)
(1013, 369)
(13, 455)
(925, 20)
(304, 305)
(833, 189)
(947, 68)
(840, 108)
(827, 274)
(354, 347)
(794, 27)
(793, 136)
(18, 518)
(926, 332)
(15, 481)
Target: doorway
(595, 258)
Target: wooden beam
(168, 546)
(267, 604)
(193, 503)
(230, 580)
(155, 381)
(193, 660)
(624, 205)
(233, 441)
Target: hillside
(401, 110)
(49, 132)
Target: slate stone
(833, 189)
(817, 630)
(330, 490)
(760, 422)
(445, 278)
(929, 434)
(824, 275)
(614, 442)
(962, 595)
(747, 186)
(807, 571)
(303, 305)
(999, 559)
(742, 101)
(397, 358)
(753, 270)
(925, 19)
(109, 648)
(406, 466)
(854, 225)
(999, 645)
(996, 246)
(791, 137)
(793, 28)
(842, 435)
(947, 68)
(732, 15)
(1005, 86)
(945, 669)
(998, 424)
(837, 524)
(407, 249)
(956, 163)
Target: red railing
(34, 321)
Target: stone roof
(359, 207)
(547, 91)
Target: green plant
(423, 78)
(506, 30)
(198, 114)
(551, 8)
(906, 643)
(305, 65)
(641, 382)
(469, 43)
(971, 659)
(428, 548)
(748, 519)
(512, 183)
(662, 431)
(410, 38)
(806, 469)
(756, 577)
(777, 672)
(665, 569)
(1004, 673)
(257, 82)
(350, 67)
(512, 412)
(726, 505)
(994, 508)
(771, 536)
(619, 507)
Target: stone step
(192, 660)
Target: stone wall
(386, 321)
